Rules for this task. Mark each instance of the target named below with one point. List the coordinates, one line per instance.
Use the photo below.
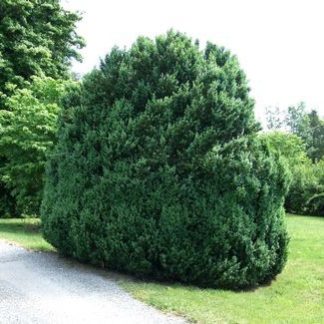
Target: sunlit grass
(24, 232)
(296, 296)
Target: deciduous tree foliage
(8, 207)
(36, 37)
(157, 171)
(306, 191)
(28, 129)
(308, 126)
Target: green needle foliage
(158, 173)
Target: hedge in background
(157, 171)
(306, 191)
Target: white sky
(279, 43)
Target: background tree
(8, 206)
(307, 125)
(28, 129)
(305, 195)
(36, 37)
(288, 145)
(274, 118)
(315, 141)
(297, 121)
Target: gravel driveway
(44, 288)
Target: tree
(316, 136)
(8, 207)
(36, 37)
(307, 125)
(27, 133)
(157, 170)
(289, 146)
(297, 120)
(274, 118)
(305, 195)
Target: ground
(24, 232)
(296, 296)
(43, 288)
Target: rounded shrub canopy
(158, 171)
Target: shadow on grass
(26, 225)
(130, 278)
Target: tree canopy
(305, 195)
(28, 130)
(308, 125)
(36, 37)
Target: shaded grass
(296, 296)
(24, 232)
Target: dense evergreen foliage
(158, 172)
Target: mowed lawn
(24, 232)
(297, 296)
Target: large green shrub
(157, 171)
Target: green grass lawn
(24, 232)
(297, 296)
